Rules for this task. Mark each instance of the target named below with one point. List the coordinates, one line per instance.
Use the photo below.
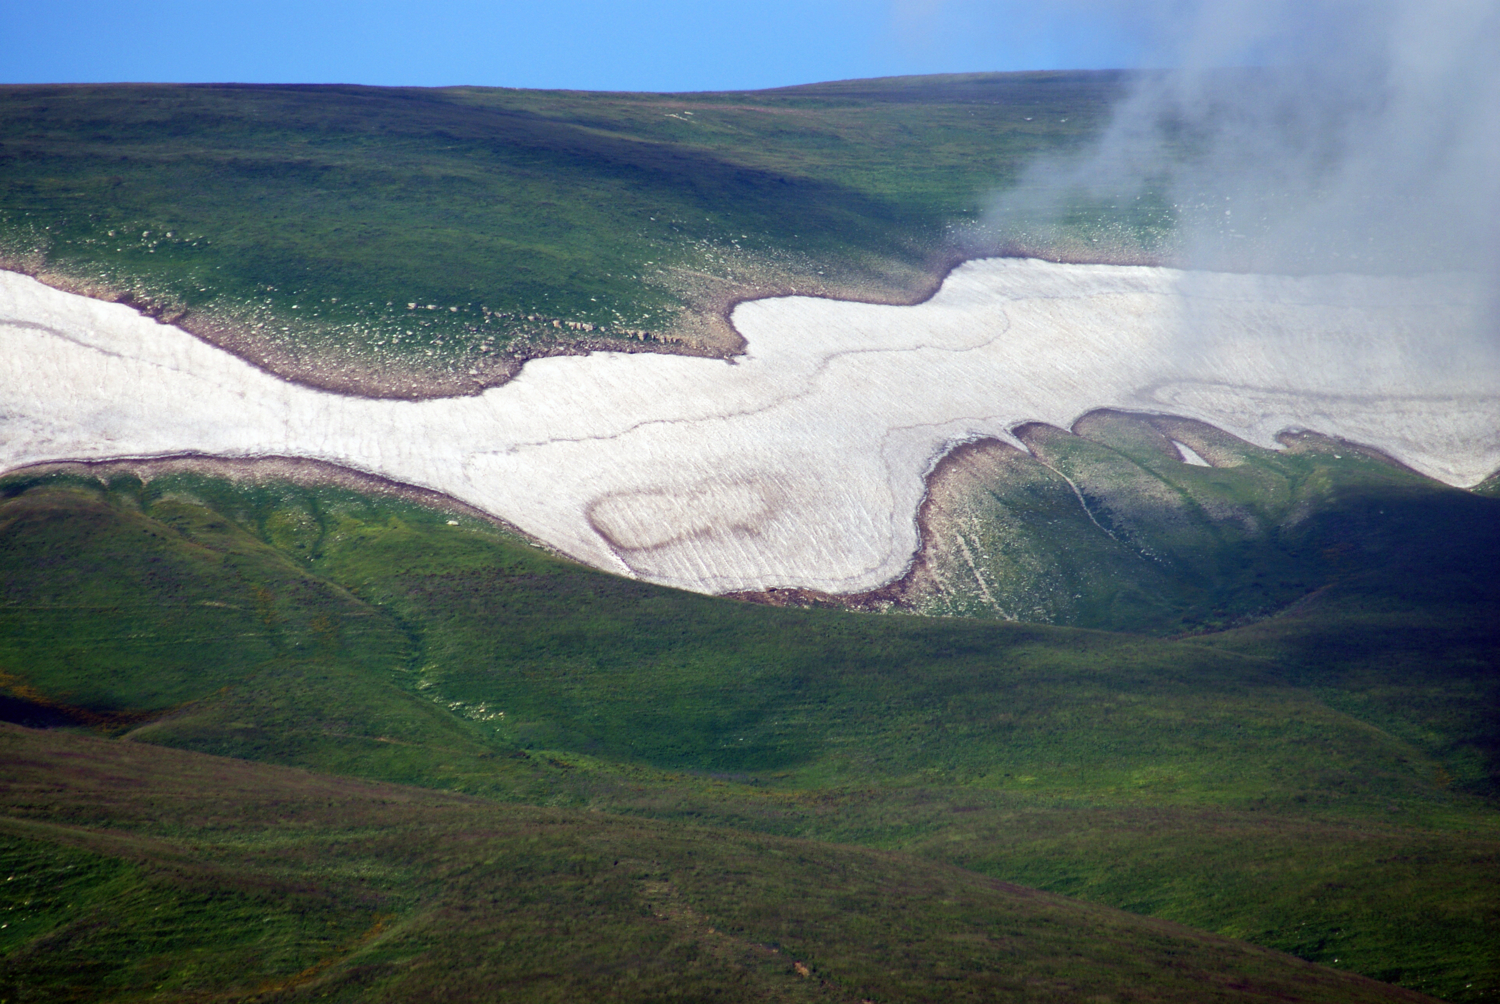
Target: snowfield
(802, 462)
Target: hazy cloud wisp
(1291, 138)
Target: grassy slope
(135, 871)
(1106, 527)
(1294, 782)
(304, 220)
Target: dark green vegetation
(1320, 781)
(135, 873)
(1108, 527)
(300, 225)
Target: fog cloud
(1289, 137)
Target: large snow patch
(802, 462)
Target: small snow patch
(1189, 456)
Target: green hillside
(125, 883)
(1107, 527)
(1319, 782)
(416, 241)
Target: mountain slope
(1239, 782)
(401, 241)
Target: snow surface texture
(802, 462)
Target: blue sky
(586, 44)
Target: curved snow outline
(804, 464)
